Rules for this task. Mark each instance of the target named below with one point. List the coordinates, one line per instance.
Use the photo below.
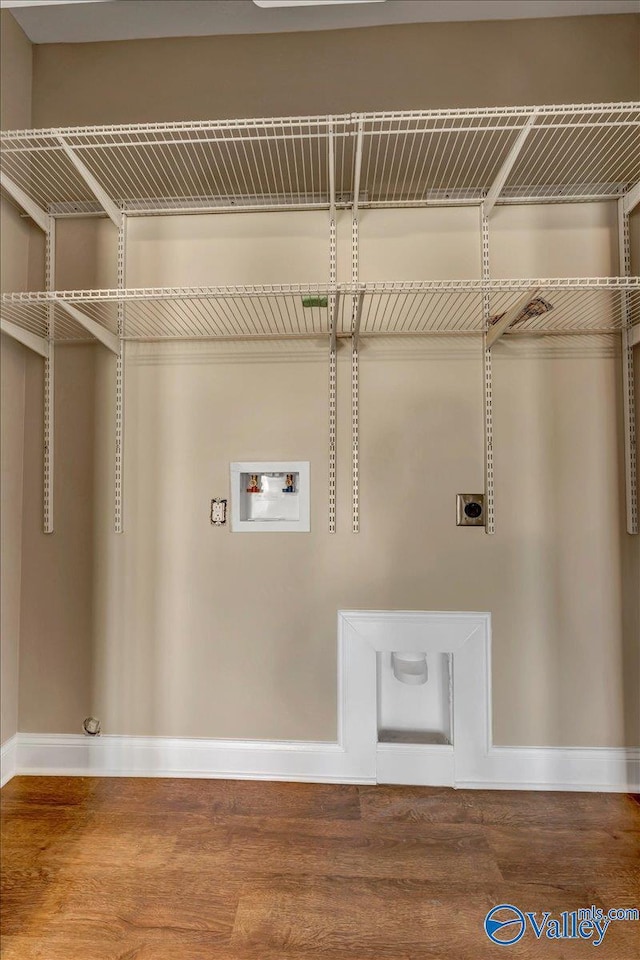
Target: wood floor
(150, 869)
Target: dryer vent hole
(91, 727)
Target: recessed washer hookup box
(270, 496)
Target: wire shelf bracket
(25, 337)
(503, 174)
(499, 328)
(631, 199)
(37, 214)
(108, 339)
(357, 318)
(96, 189)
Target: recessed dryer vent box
(270, 497)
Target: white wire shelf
(591, 305)
(569, 152)
(572, 152)
(157, 167)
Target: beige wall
(188, 630)
(56, 615)
(15, 94)
(572, 60)
(15, 110)
(200, 632)
(12, 386)
(178, 628)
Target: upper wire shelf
(414, 158)
(567, 153)
(182, 166)
(592, 305)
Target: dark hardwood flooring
(151, 869)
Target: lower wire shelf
(554, 305)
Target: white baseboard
(604, 770)
(420, 764)
(597, 769)
(471, 763)
(121, 756)
(8, 756)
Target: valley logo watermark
(506, 924)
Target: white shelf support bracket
(355, 408)
(332, 173)
(26, 338)
(333, 397)
(489, 498)
(631, 199)
(335, 312)
(498, 329)
(509, 162)
(37, 214)
(49, 383)
(355, 434)
(628, 397)
(332, 437)
(354, 211)
(118, 522)
(357, 316)
(108, 339)
(355, 331)
(97, 190)
(333, 319)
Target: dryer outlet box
(470, 510)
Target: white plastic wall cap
(410, 667)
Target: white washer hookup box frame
(272, 504)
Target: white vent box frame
(270, 496)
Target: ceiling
(82, 21)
